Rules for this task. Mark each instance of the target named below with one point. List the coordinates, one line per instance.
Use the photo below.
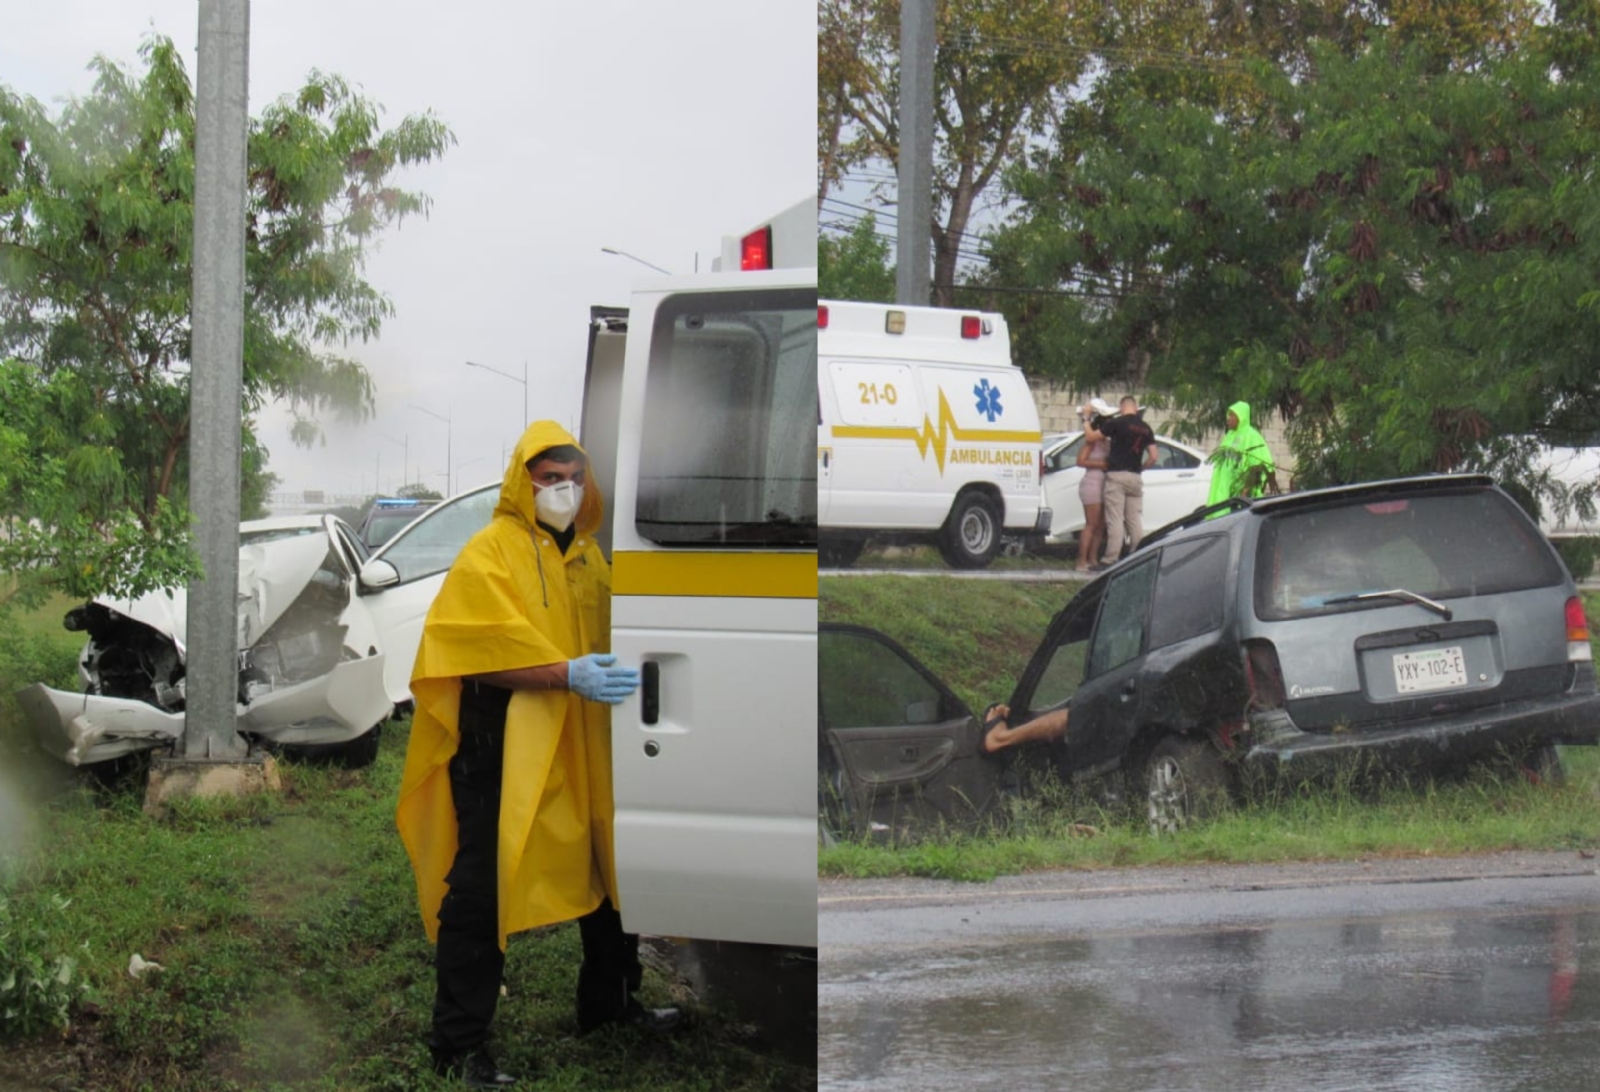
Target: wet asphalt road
(1468, 975)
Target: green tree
(855, 265)
(1396, 257)
(1000, 70)
(54, 537)
(96, 238)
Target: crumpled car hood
(272, 574)
(310, 664)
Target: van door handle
(1129, 688)
(650, 692)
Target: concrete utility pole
(913, 248)
(213, 758)
(221, 124)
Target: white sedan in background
(1176, 485)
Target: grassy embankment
(292, 954)
(978, 635)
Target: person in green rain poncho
(1241, 466)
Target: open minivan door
(898, 753)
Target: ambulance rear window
(727, 451)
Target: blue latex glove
(594, 677)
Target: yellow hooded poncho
(512, 600)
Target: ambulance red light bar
(971, 326)
(755, 250)
(822, 316)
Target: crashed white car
(311, 661)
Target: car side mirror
(378, 574)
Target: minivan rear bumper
(1572, 719)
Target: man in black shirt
(1132, 449)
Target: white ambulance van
(699, 400)
(927, 432)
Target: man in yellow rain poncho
(505, 802)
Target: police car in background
(387, 515)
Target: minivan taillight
(1578, 649)
(1263, 676)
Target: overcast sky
(648, 127)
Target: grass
(292, 952)
(921, 558)
(978, 635)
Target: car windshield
(1439, 545)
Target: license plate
(1435, 669)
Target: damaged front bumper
(339, 706)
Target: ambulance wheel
(971, 537)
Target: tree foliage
(54, 536)
(96, 243)
(1000, 67)
(96, 248)
(855, 265)
(1393, 253)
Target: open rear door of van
(715, 596)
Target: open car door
(897, 752)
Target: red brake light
(1263, 676)
(755, 250)
(971, 326)
(822, 317)
(1577, 623)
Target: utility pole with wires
(913, 263)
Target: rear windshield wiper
(1394, 593)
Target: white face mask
(557, 504)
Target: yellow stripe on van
(724, 575)
(936, 437)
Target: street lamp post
(405, 456)
(447, 442)
(634, 258)
(514, 379)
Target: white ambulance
(698, 399)
(927, 432)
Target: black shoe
(474, 1068)
(653, 1021)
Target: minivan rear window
(1441, 545)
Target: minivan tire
(1186, 781)
(971, 537)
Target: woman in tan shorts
(1091, 490)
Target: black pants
(469, 962)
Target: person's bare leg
(1092, 537)
(999, 735)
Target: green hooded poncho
(1241, 463)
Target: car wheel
(971, 537)
(1543, 766)
(354, 754)
(1186, 781)
(839, 553)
